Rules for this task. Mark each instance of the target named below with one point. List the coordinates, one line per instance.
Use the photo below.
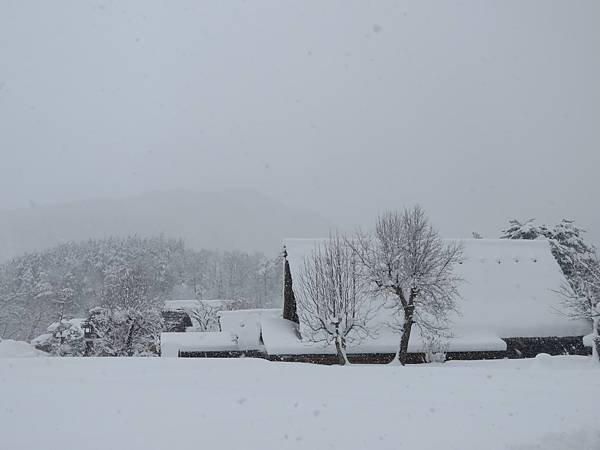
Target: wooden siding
(516, 348)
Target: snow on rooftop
(172, 343)
(190, 305)
(181, 305)
(280, 337)
(240, 331)
(246, 325)
(509, 290)
(251, 312)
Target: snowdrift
(18, 349)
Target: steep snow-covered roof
(509, 289)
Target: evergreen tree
(290, 309)
(576, 258)
(524, 230)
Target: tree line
(132, 273)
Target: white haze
(480, 111)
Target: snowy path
(162, 404)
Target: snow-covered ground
(549, 403)
(18, 349)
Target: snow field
(163, 403)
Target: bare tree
(125, 332)
(12, 315)
(406, 260)
(128, 323)
(206, 316)
(126, 289)
(334, 302)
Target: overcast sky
(480, 111)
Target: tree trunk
(340, 346)
(129, 342)
(408, 323)
(341, 352)
(595, 339)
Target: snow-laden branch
(334, 302)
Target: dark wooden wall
(356, 358)
(516, 348)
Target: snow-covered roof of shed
(509, 290)
(172, 343)
(181, 305)
(190, 305)
(250, 312)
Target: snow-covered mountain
(229, 220)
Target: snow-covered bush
(64, 338)
(129, 322)
(125, 331)
(435, 348)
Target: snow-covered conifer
(524, 230)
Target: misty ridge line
(234, 219)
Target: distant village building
(179, 315)
(509, 308)
(176, 315)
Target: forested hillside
(68, 280)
